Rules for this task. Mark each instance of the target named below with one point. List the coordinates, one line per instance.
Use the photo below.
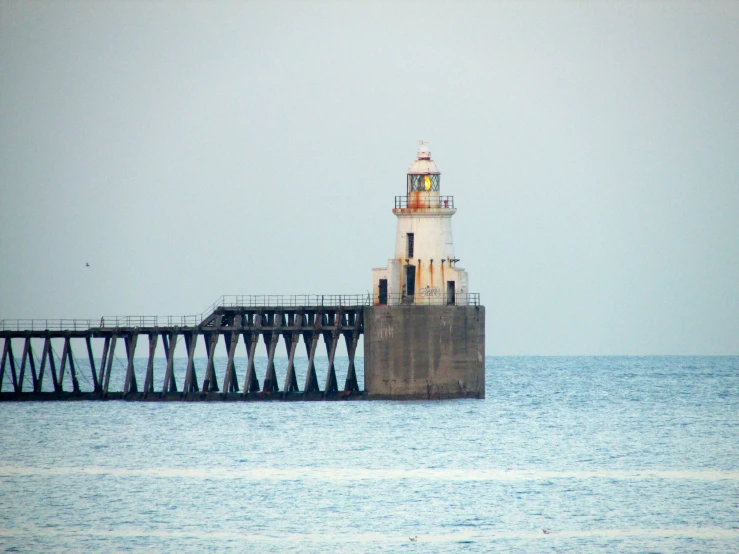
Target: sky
(187, 150)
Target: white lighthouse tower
(424, 269)
(424, 335)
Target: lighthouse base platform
(424, 352)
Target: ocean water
(605, 454)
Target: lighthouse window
(383, 291)
(410, 281)
(410, 244)
(423, 183)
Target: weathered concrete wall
(424, 351)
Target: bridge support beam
(68, 356)
(109, 364)
(149, 379)
(130, 384)
(95, 383)
(170, 383)
(251, 382)
(352, 339)
(230, 383)
(311, 380)
(191, 376)
(291, 343)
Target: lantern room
(423, 175)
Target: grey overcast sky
(192, 149)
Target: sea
(565, 454)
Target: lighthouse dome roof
(423, 165)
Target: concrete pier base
(414, 352)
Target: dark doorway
(450, 293)
(383, 291)
(410, 282)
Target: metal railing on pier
(149, 321)
(237, 301)
(46, 324)
(429, 298)
(103, 322)
(226, 301)
(401, 202)
(287, 301)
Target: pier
(319, 321)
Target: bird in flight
(87, 264)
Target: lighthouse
(424, 269)
(424, 332)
